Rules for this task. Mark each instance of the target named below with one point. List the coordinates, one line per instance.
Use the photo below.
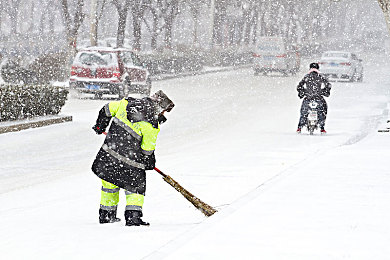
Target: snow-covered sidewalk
(335, 207)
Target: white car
(274, 54)
(341, 65)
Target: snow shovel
(203, 207)
(206, 209)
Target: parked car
(106, 70)
(341, 65)
(274, 54)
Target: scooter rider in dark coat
(310, 88)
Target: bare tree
(2, 7)
(47, 16)
(153, 28)
(11, 7)
(195, 7)
(123, 8)
(163, 12)
(385, 6)
(97, 10)
(138, 10)
(169, 10)
(250, 15)
(72, 25)
(220, 20)
(292, 24)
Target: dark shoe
(133, 218)
(108, 216)
(323, 131)
(299, 130)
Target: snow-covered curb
(206, 70)
(13, 126)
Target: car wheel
(353, 77)
(124, 90)
(361, 78)
(98, 95)
(73, 91)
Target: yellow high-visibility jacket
(131, 137)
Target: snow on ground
(231, 141)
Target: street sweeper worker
(127, 151)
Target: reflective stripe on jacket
(128, 141)
(131, 137)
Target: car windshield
(96, 58)
(335, 55)
(129, 58)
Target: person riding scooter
(310, 88)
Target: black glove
(161, 119)
(149, 161)
(97, 129)
(301, 94)
(325, 92)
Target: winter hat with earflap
(162, 101)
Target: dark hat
(314, 65)
(163, 101)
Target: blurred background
(44, 35)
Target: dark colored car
(106, 70)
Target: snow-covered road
(231, 141)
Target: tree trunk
(194, 8)
(248, 25)
(72, 27)
(93, 23)
(255, 25)
(385, 6)
(171, 12)
(168, 33)
(122, 13)
(120, 36)
(32, 15)
(138, 10)
(42, 22)
(137, 34)
(262, 25)
(154, 34)
(51, 19)
(220, 19)
(12, 11)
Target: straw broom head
(203, 207)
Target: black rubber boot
(108, 216)
(133, 218)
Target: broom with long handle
(206, 209)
